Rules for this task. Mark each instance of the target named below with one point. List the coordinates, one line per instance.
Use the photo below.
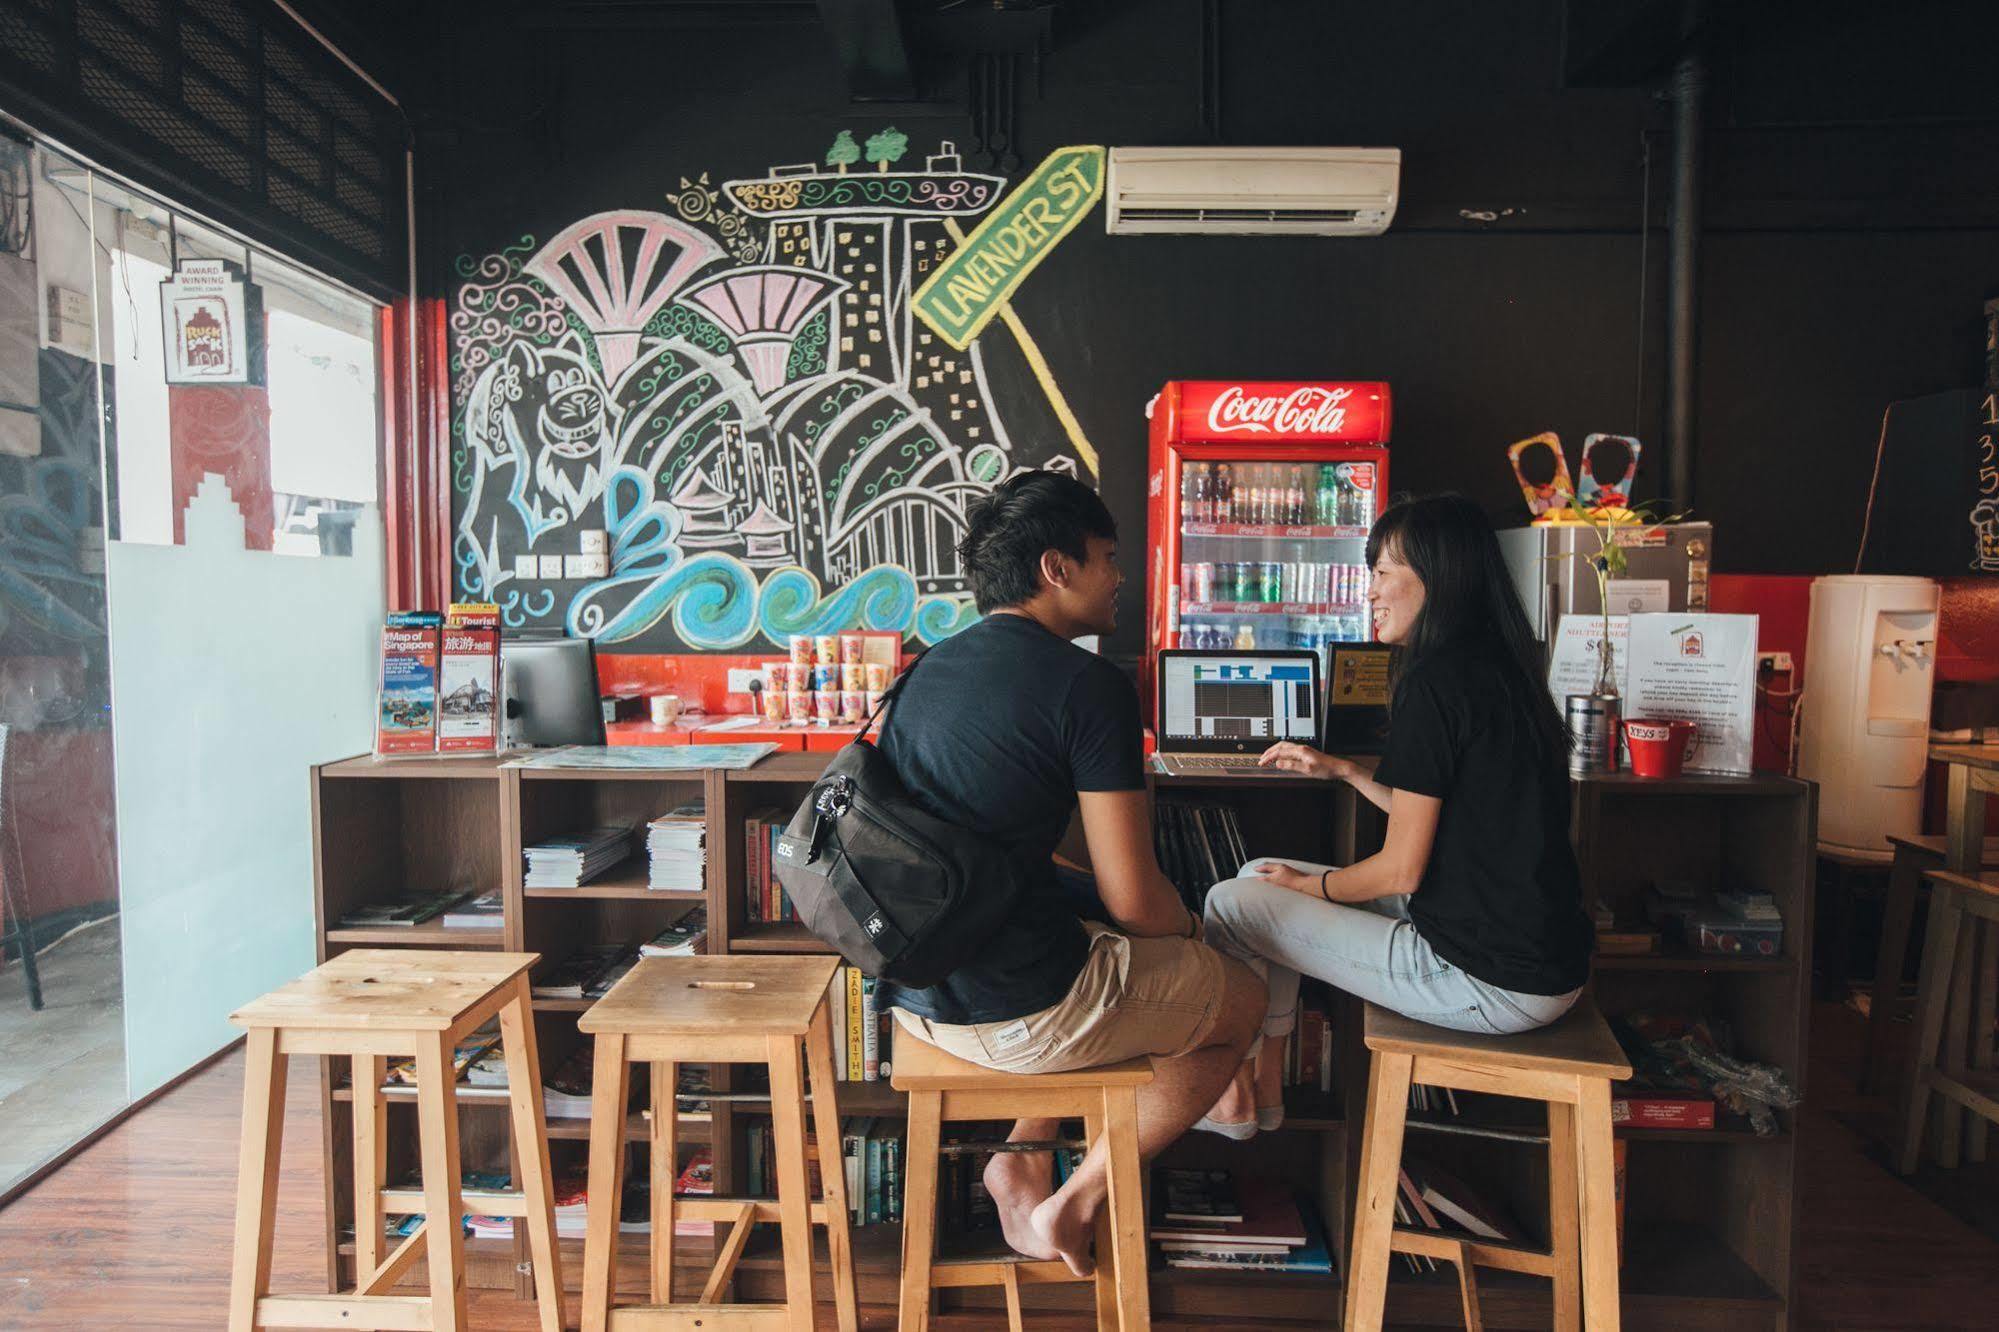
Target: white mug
(665, 709)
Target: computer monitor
(549, 692)
(1236, 701)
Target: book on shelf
(1198, 845)
(762, 1160)
(574, 859)
(677, 849)
(406, 693)
(565, 1093)
(468, 680)
(484, 912)
(683, 938)
(405, 1224)
(405, 914)
(764, 901)
(1277, 1230)
(1206, 1196)
(489, 1070)
(572, 976)
(469, 1049)
(1453, 1202)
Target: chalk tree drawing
(737, 395)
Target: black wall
(1852, 192)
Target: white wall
(232, 672)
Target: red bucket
(1658, 748)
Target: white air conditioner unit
(1252, 191)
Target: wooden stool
(1955, 1003)
(1913, 856)
(943, 1087)
(1570, 1065)
(717, 1010)
(372, 1004)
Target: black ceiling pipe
(1683, 276)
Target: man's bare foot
(1063, 1223)
(1019, 1182)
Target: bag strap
(889, 696)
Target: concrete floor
(63, 1072)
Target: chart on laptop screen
(1225, 697)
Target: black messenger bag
(895, 890)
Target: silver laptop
(1219, 710)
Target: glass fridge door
(1273, 554)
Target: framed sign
(214, 324)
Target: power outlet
(739, 679)
(1778, 663)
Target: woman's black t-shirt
(1501, 896)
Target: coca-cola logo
(1315, 411)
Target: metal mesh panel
(188, 91)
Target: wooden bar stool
(372, 1004)
(717, 1010)
(1569, 1065)
(944, 1088)
(1954, 991)
(1913, 856)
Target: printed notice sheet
(1572, 666)
(1698, 668)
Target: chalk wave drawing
(736, 396)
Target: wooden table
(1972, 964)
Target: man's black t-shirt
(1501, 896)
(997, 730)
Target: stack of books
(677, 850)
(1198, 845)
(763, 896)
(474, 913)
(406, 914)
(861, 1029)
(872, 1157)
(635, 1207)
(584, 971)
(683, 938)
(1308, 1051)
(1211, 1219)
(574, 860)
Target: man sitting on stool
(1006, 729)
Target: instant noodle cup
(827, 646)
(826, 675)
(853, 676)
(851, 647)
(798, 704)
(826, 704)
(801, 649)
(871, 700)
(877, 677)
(853, 707)
(774, 705)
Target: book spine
(892, 1205)
(1325, 1054)
(756, 1170)
(874, 1210)
(870, 1032)
(836, 1014)
(855, 1060)
(850, 1161)
(753, 906)
(783, 909)
(1308, 1047)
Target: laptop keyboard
(1216, 761)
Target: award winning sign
(214, 324)
(964, 292)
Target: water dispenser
(1864, 729)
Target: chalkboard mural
(715, 427)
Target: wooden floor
(135, 1231)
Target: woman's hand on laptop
(1294, 757)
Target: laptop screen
(1237, 701)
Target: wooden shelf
(403, 769)
(781, 937)
(625, 880)
(803, 766)
(428, 934)
(1693, 783)
(1682, 960)
(668, 776)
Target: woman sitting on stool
(1470, 915)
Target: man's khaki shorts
(1134, 996)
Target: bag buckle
(829, 801)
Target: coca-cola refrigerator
(1260, 497)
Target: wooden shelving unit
(1709, 1216)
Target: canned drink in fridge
(1245, 580)
(1273, 585)
(1204, 582)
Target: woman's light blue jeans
(1370, 949)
